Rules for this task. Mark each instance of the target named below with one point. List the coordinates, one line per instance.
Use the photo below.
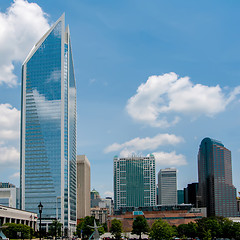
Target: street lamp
(40, 207)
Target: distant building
(95, 198)
(167, 186)
(216, 191)
(134, 182)
(191, 194)
(9, 195)
(83, 187)
(100, 214)
(180, 196)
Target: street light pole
(40, 207)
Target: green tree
(116, 228)
(140, 226)
(161, 230)
(13, 228)
(187, 230)
(84, 229)
(55, 229)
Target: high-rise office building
(216, 191)
(83, 186)
(48, 129)
(134, 182)
(167, 186)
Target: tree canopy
(140, 226)
(13, 229)
(116, 228)
(161, 230)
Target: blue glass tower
(48, 128)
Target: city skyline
(156, 83)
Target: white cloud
(9, 136)
(9, 123)
(10, 157)
(168, 94)
(169, 159)
(143, 144)
(21, 26)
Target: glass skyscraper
(48, 128)
(134, 182)
(216, 191)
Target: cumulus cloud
(9, 156)
(9, 123)
(169, 159)
(143, 144)
(168, 94)
(9, 136)
(21, 26)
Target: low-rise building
(13, 215)
(174, 215)
(100, 214)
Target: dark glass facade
(216, 191)
(48, 128)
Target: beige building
(83, 187)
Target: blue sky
(152, 77)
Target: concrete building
(12, 215)
(216, 191)
(100, 214)
(167, 186)
(48, 129)
(83, 186)
(134, 182)
(9, 195)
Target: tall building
(167, 186)
(48, 129)
(216, 191)
(134, 182)
(83, 186)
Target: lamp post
(40, 207)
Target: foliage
(116, 228)
(84, 229)
(187, 230)
(13, 228)
(55, 229)
(140, 226)
(161, 230)
(209, 228)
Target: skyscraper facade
(83, 186)
(134, 182)
(48, 128)
(167, 186)
(216, 191)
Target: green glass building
(134, 182)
